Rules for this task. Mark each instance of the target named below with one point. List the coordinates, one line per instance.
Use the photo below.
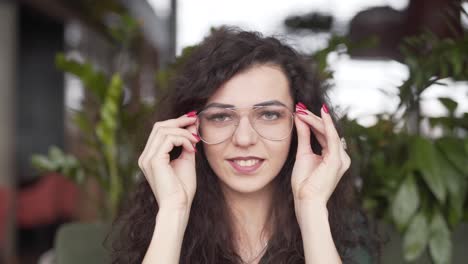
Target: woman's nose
(245, 134)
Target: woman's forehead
(256, 85)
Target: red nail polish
(298, 107)
(196, 136)
(301, 105)
(301, 112)
(325, 108)
(191, 114)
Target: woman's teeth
(246, 163)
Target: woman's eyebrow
(266, 103)
(219, 105)
(271, 102)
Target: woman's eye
(219, 118)
(271, 115)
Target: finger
(192, 129)
(303, 137)
(321, 139)
(155, 143)
(179, 132)
(181, 121)
(163, 132)
(316, 124)
(345, 160)
(161, 160)
(169, 142)
(333, 140)
(311, 119)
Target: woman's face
(262, 158)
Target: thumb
(189, 155)
(303, 137)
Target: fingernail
(191, 114)
(301, 105)
(301, 112)
(196, 136)
(325, 108)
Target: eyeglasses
(217, 124)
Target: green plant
(111, 131)
(100, 136)
(107, 128)
(413, 179)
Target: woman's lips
(248, 167)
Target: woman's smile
(246, 165)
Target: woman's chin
(247, 186)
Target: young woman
(246, 165)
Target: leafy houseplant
(106, 129)
(108, 133)
(413, 167)
(412, 178)
(111, 133)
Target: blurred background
(81, 79)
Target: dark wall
(40, 92)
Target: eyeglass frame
(254, 107)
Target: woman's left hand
(314, 177)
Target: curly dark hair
(226, 52)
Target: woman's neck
(251, 221)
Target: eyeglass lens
(216, 124)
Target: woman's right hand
(173, 182)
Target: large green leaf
(456, 185)
(416, 237)
(106, 131)
(406, 202)
(424, 159)
(440, 243)
(455, 152)
(58, 161)
(94, 80)
(83, 122)
(107, 126)
(43, 163)
(457, 61)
